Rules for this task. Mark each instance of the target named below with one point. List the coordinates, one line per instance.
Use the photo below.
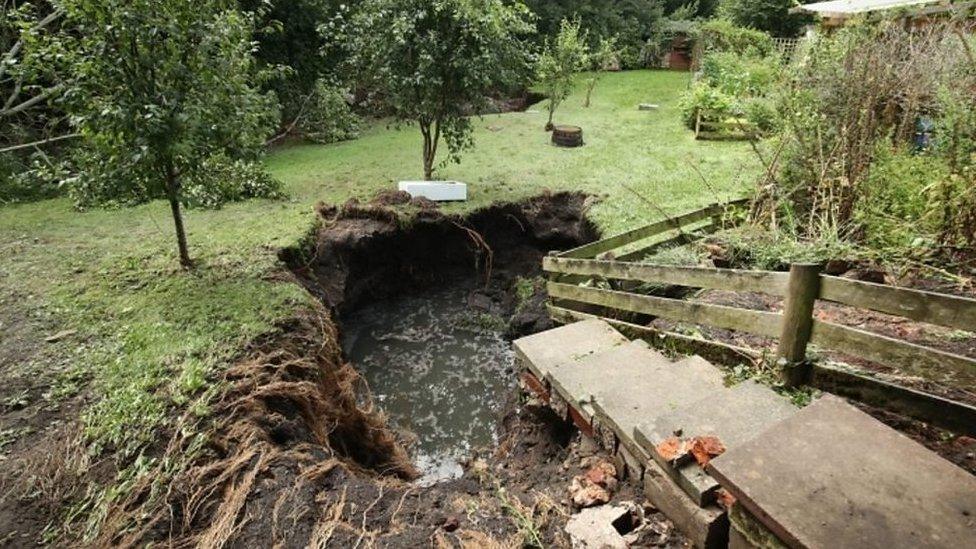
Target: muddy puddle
(440, 369)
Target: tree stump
(567, 136)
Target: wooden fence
(717, 126)
(795, 327)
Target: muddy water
(440, 370)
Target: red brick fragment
(706, 448)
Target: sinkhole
(428, 304)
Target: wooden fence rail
(795, 327)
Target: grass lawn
(145, 337)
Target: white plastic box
(438, 191)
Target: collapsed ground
(106, 344)
(300, 456)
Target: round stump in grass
(567, 136)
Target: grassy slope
(147, 334)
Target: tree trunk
(552, 109)
(428, 150)
(173, 193)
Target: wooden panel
(755, 322)
(907, 357)
(693, 234)
(616, 241)
(935, 308)
(698, 277)
(948, 414)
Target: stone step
(539, 352)
(576, 381)
(833, 476)
(734, 415)
(623, 404)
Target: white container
(438, 191)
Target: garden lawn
(141, 338)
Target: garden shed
(836, 13)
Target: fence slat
(934, 308)
(907, 357)
(720, 316)
(692, 234)
(622, 239)
(697, 277)
(951, 415)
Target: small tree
(562, 57)
(161, 90)
(600, 60)
(434, 62)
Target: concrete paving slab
(538, 352)
(576, 380)
(627, 402)
(833, 476)
(734, 415)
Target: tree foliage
(630, 21)
(562, 57)
(772, 16)
(162, 92)
(433, 62)
(601, 59)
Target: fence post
(801, 293)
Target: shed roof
(846, 8)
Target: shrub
(32, 178)
(895, 212)
(328, 117)
(704, 97)
(723, 35)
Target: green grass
(149, 335)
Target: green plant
(561, 58)
(704, 97)
(724, 35)
(601, 59)
(328, 117)
(895, 212)
(772, 16)
(434, 61)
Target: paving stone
(538, 352)
(626, 403)
(577, 380)
(833, 476)
(734, 415)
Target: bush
(738, 74)
(895, 213)
(34, 177)
(704, 97)
(723, 35)
(328, 117)
(221, 180)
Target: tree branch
(39, 143)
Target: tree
(630, 21)
(772, 16)
(161, 93)
(562, 57)
(602, 59)
(434, 62)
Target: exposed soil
(296, 454)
